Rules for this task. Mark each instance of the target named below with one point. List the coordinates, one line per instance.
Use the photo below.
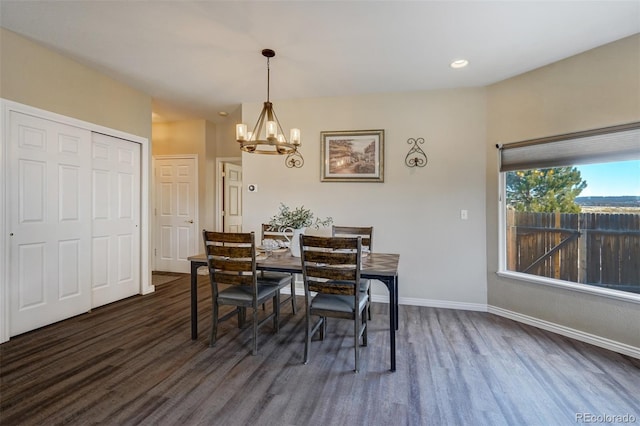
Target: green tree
(545, 190)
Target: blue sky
(612, 179)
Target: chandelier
(267, 136)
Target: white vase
(294, 241)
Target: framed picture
(352, 156)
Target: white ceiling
(196, 58)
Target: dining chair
(231, 260)
(278, 278)
(331, 269)
(366, 232)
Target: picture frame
(352, 156)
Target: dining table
(375, 266)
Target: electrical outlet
(464, 214)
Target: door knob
(189, 221)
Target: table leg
(393, 307)
(395, 281)
(194, 300)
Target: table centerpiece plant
(297, 220)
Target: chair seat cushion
(280, 279)
(337, 302)
(243, 294)
(365, 284)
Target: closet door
(116, 219)
(49, 222)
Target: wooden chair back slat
(228, 237)
(331, 273)
(366, 232)
(232, 265)
(233, 279)
(234, 252)
(332, 258)
(346, 288)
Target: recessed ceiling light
(460, 63)
(223, 113)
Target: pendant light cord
(268, 78)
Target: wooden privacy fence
(592, 248)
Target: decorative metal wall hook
(294, 160)
(416, 156)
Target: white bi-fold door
(56, 200)
(115, 210)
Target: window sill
(582, 288)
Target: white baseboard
(445, 304)
(592, 339)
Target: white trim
(145, 271)
(4, 237)
(219, 190)
(612, 345)
(196, 221)
(502, 221)
(444, 304)
(582, 288)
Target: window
(571, 211)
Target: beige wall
(226, 135)
(415, 212)
(39, 77)
(595, 89)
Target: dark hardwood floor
(132, 362)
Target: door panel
(116, 219)
(49, 219)
(68, 255)
(32, 280)
(176, 213)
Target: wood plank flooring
(132, 362)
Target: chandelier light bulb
(272, 129)
(295, 136)
(241, 132)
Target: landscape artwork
(353, 156)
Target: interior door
(232, 209)
(49, 222)
(176, 213)
(116, 219)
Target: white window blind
(616, 143)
